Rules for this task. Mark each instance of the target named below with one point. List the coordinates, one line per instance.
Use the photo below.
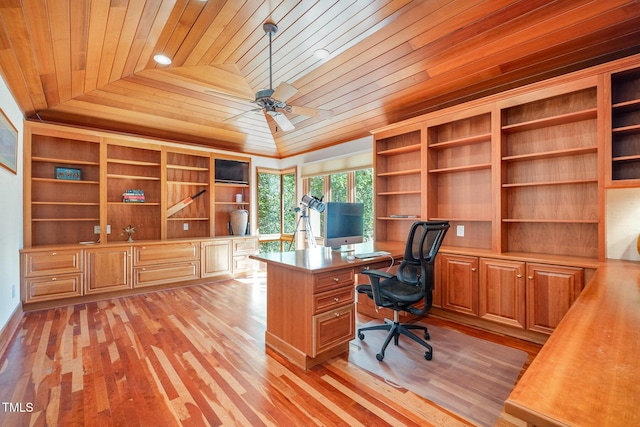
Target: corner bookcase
(85, 201)
(625, 128)
(398, 182)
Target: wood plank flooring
(192, 356)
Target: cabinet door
(502, 293)
(216, 258)
(107, 269)
(551, 290)
(459, 283)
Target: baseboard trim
(10, 329)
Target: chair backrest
(423, 243)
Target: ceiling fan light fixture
(162, 59)
(321, 53)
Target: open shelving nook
(459, 179)
(625, 128)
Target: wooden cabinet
(459, 179)
(107, 269)
(551, 290)
(243, 248)
(502, 292)
(459, 283)
(51, 275)
(625, 128)
(398, 182)
(216, 258)
(165, 263)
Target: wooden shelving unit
(62, 211)
(398, 182)
(187, 174)
(550, 175)
(459, 179)
(92, 209)
(625, 128)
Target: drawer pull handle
(54, 253)
(530, 277)
(473, 269)
(336, 314)
(53, 279)
(519, 276)
(336, 279)
(336, 299)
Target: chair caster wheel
(360, 335)
(426, 335)
(380, 356)
(428, 355)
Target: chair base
(396, 329)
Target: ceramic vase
(239, 219)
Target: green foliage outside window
(364, 195)
(269, 208)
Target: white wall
(10, 217)
(623, 223)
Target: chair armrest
(378, 274)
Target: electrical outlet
(13, 291)
(96, 229)
(108, 229)
(185, 226)
(460, 231)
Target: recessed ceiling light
(162, 59)
(321, 53)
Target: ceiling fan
(274, 102)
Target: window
(276, 203)
(352, 186)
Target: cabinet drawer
(245, 246)
(160, 254)
(243, 264)
(334, 298)
(162, 274)
(54, 262)
(53, 287)
(333, 328)
(332, 280)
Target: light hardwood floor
(190, 356)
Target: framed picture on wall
(8, 144)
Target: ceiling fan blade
(281, 120)
(312, 112)
(242, 114)
(284, 91)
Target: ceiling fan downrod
(270, 28)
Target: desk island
(310, 299)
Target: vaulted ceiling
(90, 62)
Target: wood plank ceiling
(89, 62)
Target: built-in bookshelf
(459, 178)
(398, 182)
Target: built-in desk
(588, 372)
(310, 300)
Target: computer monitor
(343, 224)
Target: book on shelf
(133, 196)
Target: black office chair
(412, 284)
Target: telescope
(312, 202)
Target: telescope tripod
(304, 222)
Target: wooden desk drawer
(53, 262)
(169, 273)
(248, 246)
(333, 328)
(53, 287)
(170, 252)
(332, 280)
(334, 298)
